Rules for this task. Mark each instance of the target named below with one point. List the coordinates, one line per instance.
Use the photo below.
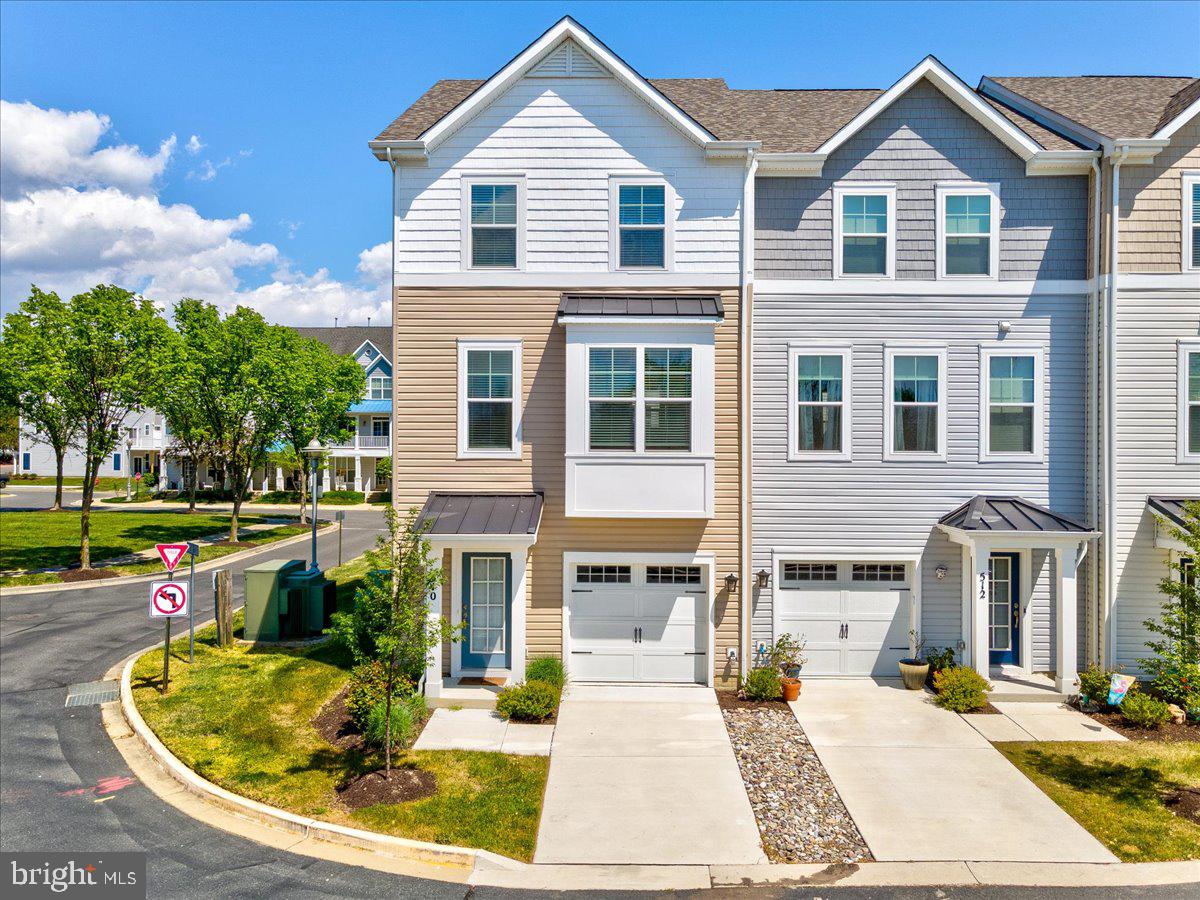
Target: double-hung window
(1189, 402)
(641, 227)
(915, 421)
(489, 379)
(381, 387)
(1191, 221)
(1011, 404)
(968, 228)
(864, 240)
(492, 214)
(640, 399)
(819, 400)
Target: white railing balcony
(361, 442)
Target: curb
(19, 590)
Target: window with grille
(820, 390)
(864, 230)
(489, 374)
(603, 574)
(641, 226)
(916, 404)
(381, 387)
(1189, 403)
(672, 575)
(658, 395)
(493, 231)
(969, 233)
(893, 572)
(1191, 221)
(799, 572)
(1011, 396)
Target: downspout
(1095, 296)
(395, 338)
(1110, 406)
(745, 400)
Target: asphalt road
(51, 759)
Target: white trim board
(600, 279)
(829, 287)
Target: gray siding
(880, 506)
(921, 139)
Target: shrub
(342, 497)
(368, 689)
(277, 497)
(763, 683)
(548, 669)
(940, 659)
(1179, 684)
(531, 701)
(1094, 684)
(1144, 711)
(960, 689)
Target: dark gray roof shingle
(348, 338)
(691, 306)
(449, 513)
(987, 513)
(1171, 507)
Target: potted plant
(915, 669)
(787, 654)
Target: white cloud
(76, 216)
(194, 145)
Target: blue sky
(283, 97)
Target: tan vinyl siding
(1151, 205)
(428, 323)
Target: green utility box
(286, 600)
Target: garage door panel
(586, 632)
(873, 602)
(656, 605)
(815, 631)
(816, 602)
(823, 659)
(659, 665)
(614, 664)
(600, 604)
(682, 636)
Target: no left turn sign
(168, 599)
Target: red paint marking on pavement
(109, 785)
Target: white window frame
(512, 345)
(371, 379)
(972, 189)
(615, 183)
(465, 185)
(795, 351)
(986, 353)
(1185, 348)
(890, 352)
(638, 400)
(1189, 179)
(886, 189)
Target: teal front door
(1004, 616)
(487, 609)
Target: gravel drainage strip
(800, 816)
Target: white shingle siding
(882, 506)
(921, 139)
(567, 135)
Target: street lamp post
(314, 451)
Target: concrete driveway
(644, 775)
(922, 784)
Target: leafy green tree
(383, 472)
(1175, 666)
(33, 376)
(241, 364)
(113, 345)
(178, 399)
(390, 620)
(313, 398)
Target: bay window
(636, 408)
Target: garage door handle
(581, 590)
(695, 653)
(581, 652)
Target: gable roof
(1107, 106)
(347, 339)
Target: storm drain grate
(92, 693)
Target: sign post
(192, 551)
(169, 600)
(341, 520)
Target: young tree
(313, 398)
(241, 364)
(1175, 666)
(390, 620)
(113, 347)
(33, 375)
(383, 473)
(178, 399)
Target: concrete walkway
(644, 776)
(483, 730)
(922, 784)
(1040, 722)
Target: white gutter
(1094, 300)
(1110, 406)
(395, 331)
(745, 399)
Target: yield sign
(171, 554)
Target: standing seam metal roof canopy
(1013, 514)
(1171, 507)
(447, 513)
(671, 305)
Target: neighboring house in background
(145, 443)
(1146, 365)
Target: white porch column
(980, 607)
(1066, 601)
(433, 665)
(327, 474)
(278, 478)
(519, 558)
(358, 473)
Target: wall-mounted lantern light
(731, 581)
(941, 572)
(763, 578)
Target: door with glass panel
(1004, 613)
(486, 610)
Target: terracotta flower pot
(791, 689)
(914, 672)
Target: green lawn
(241, 718)
(107, 482)
(39, 539)
(1115, 790)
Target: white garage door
(638, 623)
(855, 616)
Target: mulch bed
(1171, 733)
(333, 723)
(730, 700)
(1185, 803)
(986, 710)
(800, 816)
(405, 784)
(69, 575)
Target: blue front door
(1004, 614)
(486, 607)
